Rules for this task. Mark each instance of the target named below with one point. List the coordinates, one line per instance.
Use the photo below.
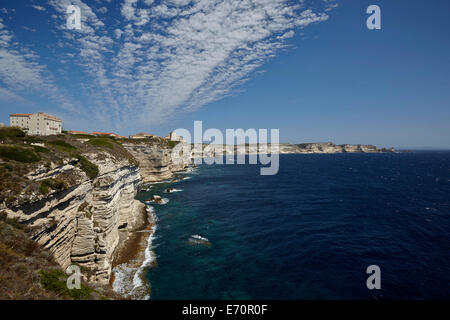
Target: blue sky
(310, 68)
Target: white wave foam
(151, 216)
(173, 190)
(121, 279)
(151, 212)
(146, 188)
(159, 182)
(149, 259)
(164, 201)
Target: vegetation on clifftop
(11, 133)
(62, 145)
(172, 144)
(55, 280)
(54, 184)
(21, 154)
(88, 167)
(102, 142)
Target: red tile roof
(102, 133)
(108, 134)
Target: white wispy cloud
(29, 29)
(169, 56)
(207, 49)
(39, 8)
(20, 72)
(9, 96)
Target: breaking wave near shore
(129, 277)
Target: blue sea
(309, 232)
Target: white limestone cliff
(206, 150)
(156, 162)
(86, 224)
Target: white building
(36, 124)
(173, 137)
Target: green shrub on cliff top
(55, 280)
(88, 167)
(54, 184)
(81, 135)
(32, 139)
(11, 132)
(62, 145)
(40, 149)
(102, 142)
(44, 189)
(19, 154)
(172, 144)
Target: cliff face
(86, 223)
(329, 147)
(285, 148)
(76, 193)
(155, 161)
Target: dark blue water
(309, 232)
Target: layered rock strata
(283, 148)
(157, 163)
(86, 223)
